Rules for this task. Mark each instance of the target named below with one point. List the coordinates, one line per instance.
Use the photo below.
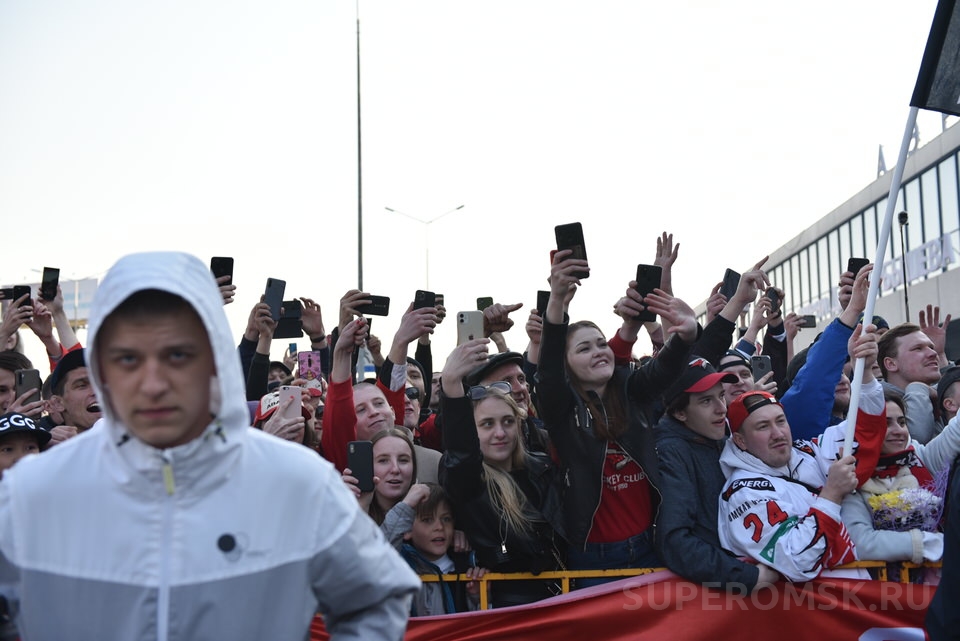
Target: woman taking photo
(395, 496)
(599, 420)
(505, 497)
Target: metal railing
(563, 577)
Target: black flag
(938, 83)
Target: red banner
(662, 606)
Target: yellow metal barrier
(565, 576)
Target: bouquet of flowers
(906, 509)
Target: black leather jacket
(570, 424)
(498, 547)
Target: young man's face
(706, 414)
(411, 408)
(14, 447)
(433, 536)
(916, 360)
(157, 375)
(78, 404)
(766, 434)
(372, 410)
(415, 378)
(744, 384)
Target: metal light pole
(426, 235)
(902, 218)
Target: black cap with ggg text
(17, 423)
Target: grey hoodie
(235, 535)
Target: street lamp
(426, 233)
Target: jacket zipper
(603, 460)
(163, 590)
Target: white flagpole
(884, 234)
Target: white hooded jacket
(235, 535)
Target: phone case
(731, 280)
(484, 302)
(222, 266)
(760, 365)
(309, 363)
(360, 462)
(469, 326)
(648, 279)
(379, 306)
(48, 286)
(856, 264)
(423, 299)
(26, 380)
(570, 236)
(291, 392)
(273, 296)
(543, 298)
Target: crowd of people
(572, 453)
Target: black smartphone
(423, 299)
(369, 324)
(484, 302)
(774, 299)
(49, 284)
(222, 266)
(360, 462)
(856, 264)
(273, 296)
(290, 324)
(27, 380)
(808, 321)
(6, 293)
(731, 280)
(20, 290)
(543, 298)
(570, 236)
(648, 279)
(760, 365)
(378, 306)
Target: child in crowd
(19, 436)
(428, 548)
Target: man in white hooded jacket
(171, 519)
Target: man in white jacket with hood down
(171, 519)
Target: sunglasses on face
(413, 393)
(478, 392)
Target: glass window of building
(856, 237)
(949, 211)
(845, 251)
(913, 231)
(931, 205)
(870, 232)
(823, 269)
(804, 258)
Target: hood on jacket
(187, 277)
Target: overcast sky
(230, 128)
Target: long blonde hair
(505, 495)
